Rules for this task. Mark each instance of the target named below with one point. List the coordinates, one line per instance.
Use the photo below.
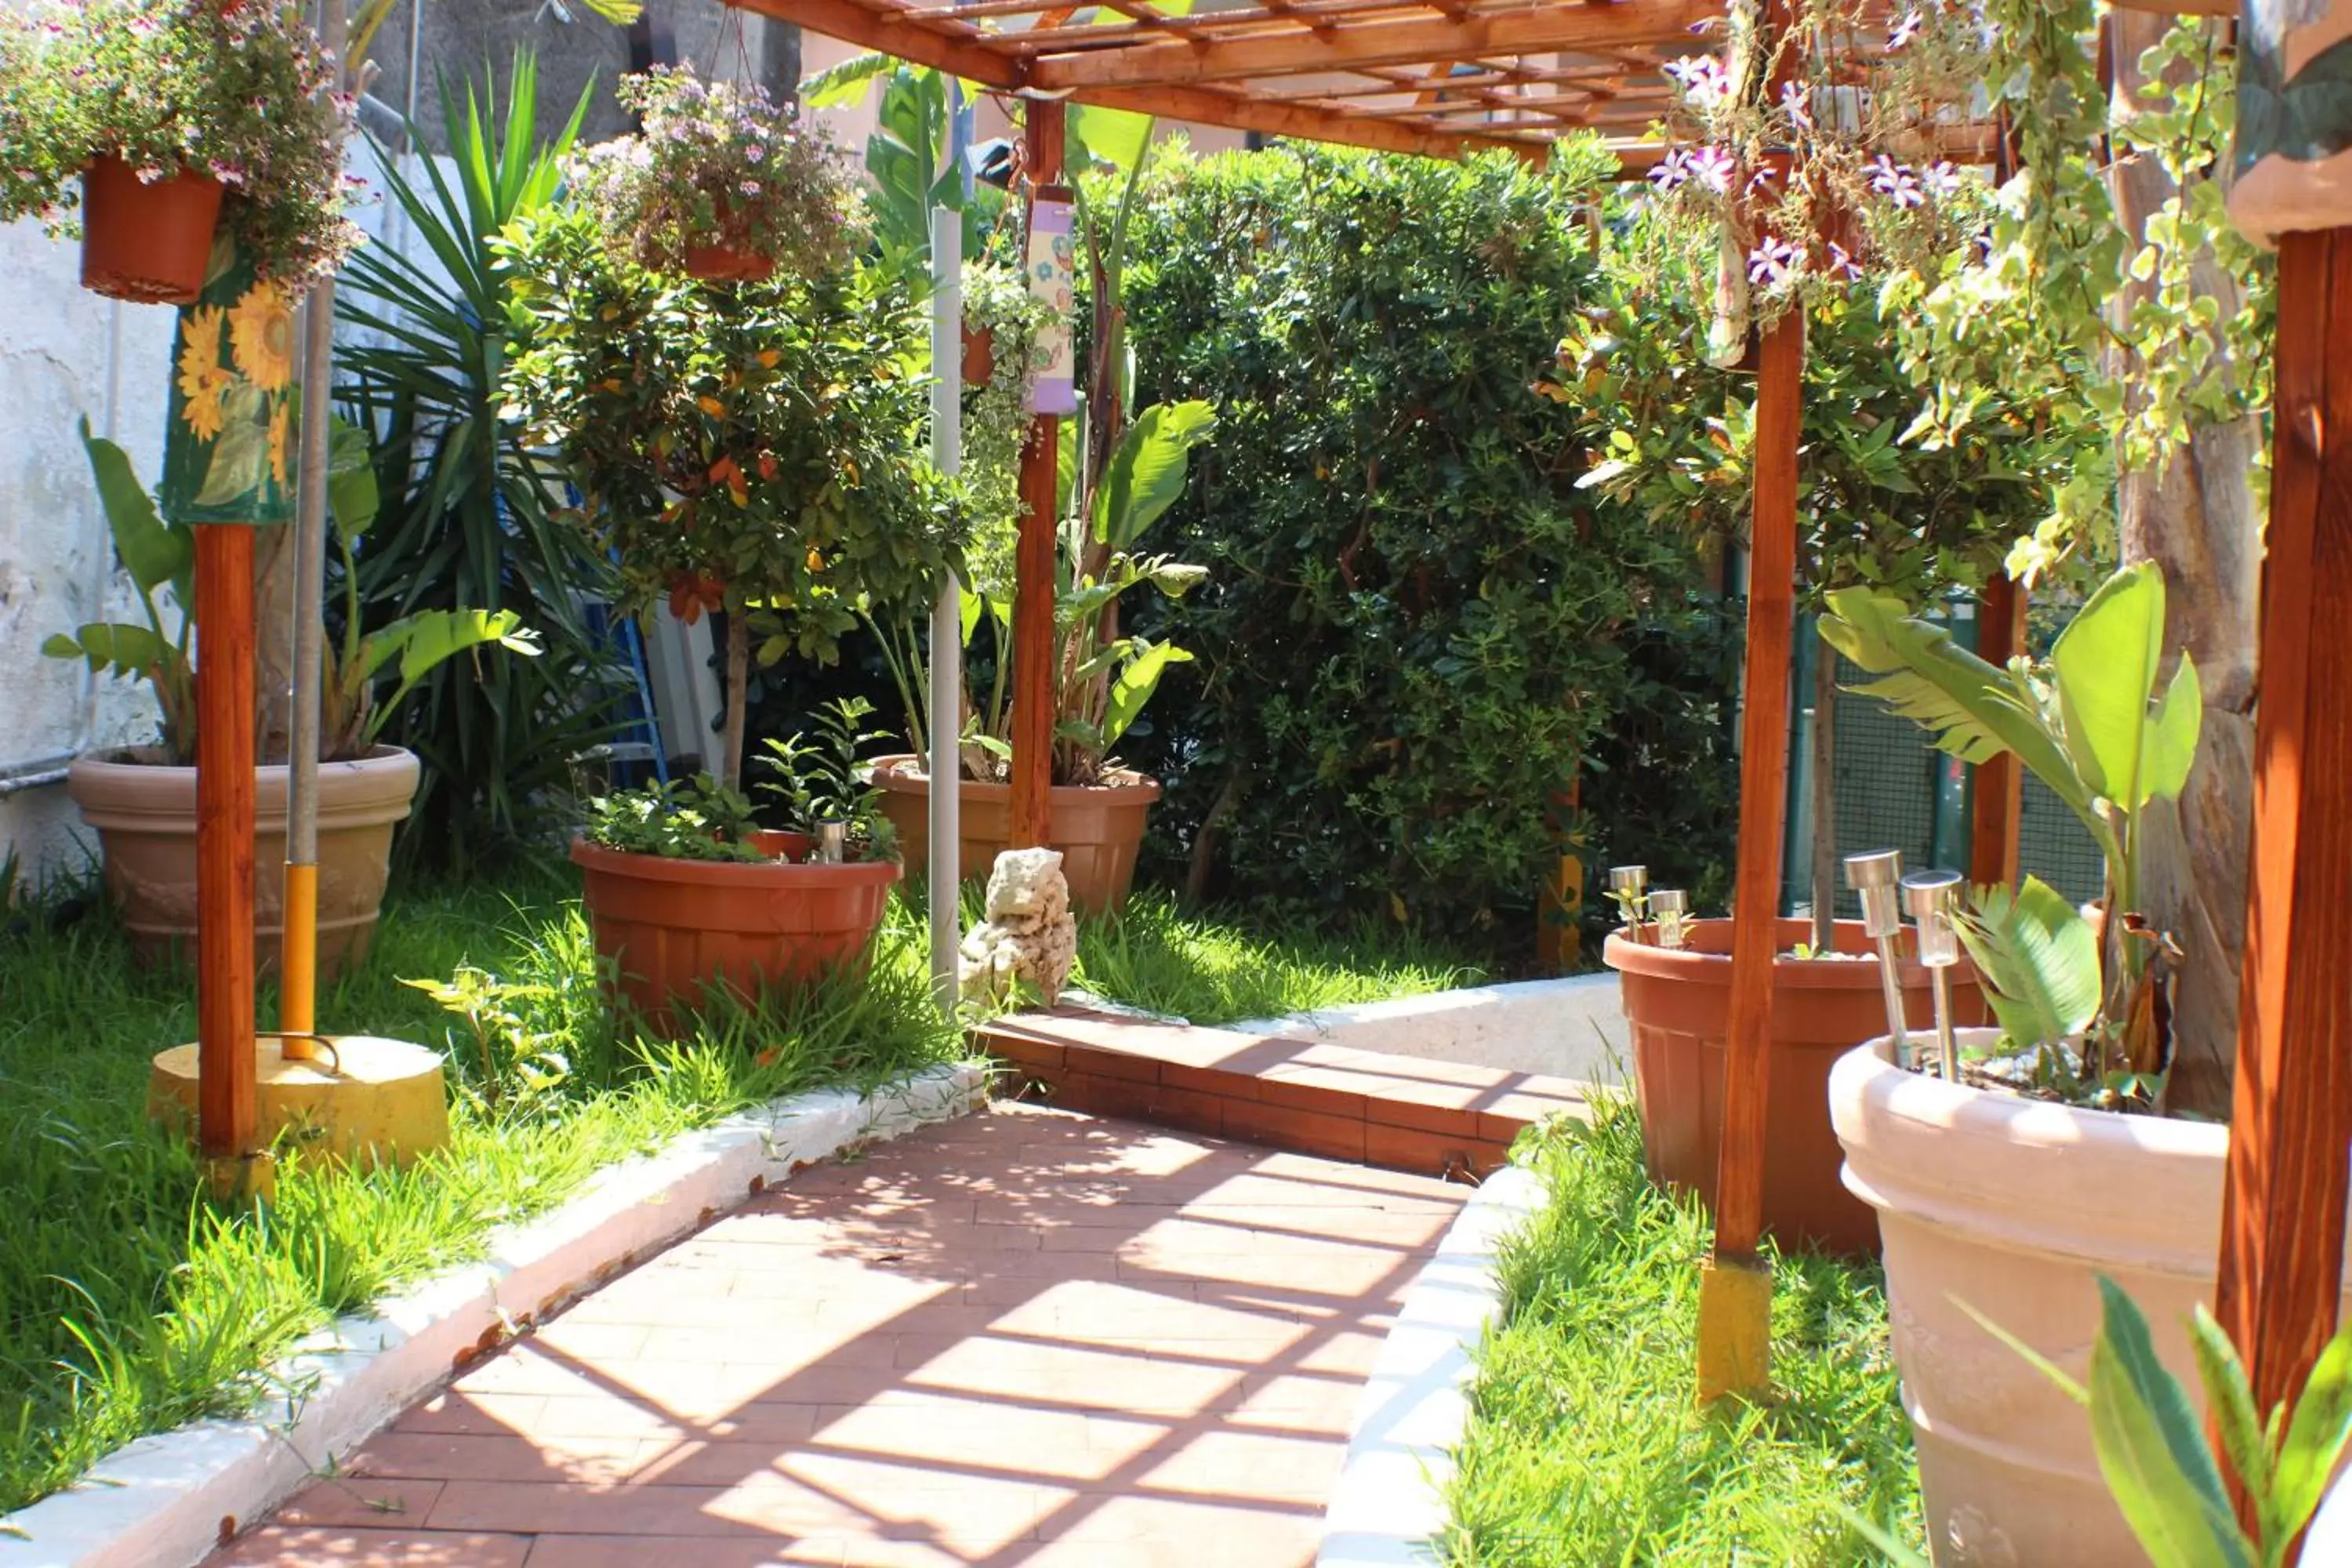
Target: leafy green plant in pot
(750, 448)
(1102, 677)
(2053, 1162)
(178, 118)
(143, 801)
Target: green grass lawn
(1584, 1447)
(1211, 970)
(126, 1307)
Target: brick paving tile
(1028, 1337)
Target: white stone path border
(1389, 1499)
(164, 1501)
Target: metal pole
(297, 966)
(947, 618)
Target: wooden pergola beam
(1537, 30)
(1299, 120)
(907, 32)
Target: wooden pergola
(1445, 78)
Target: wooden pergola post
(1735, 1308)
(225, 1070)
(1033, 676)
(2291, 1126)
(1997, 792)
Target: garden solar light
(1670, 908)
(1627, 888)
(1930, 897)
(832, 841)
(1875, 876)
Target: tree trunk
(2196, 519)
(1825, 836)
(273, 653)
(739, 696)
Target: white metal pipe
(946, 695)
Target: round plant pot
(146, 243)
(1677, 1002)
(145, 816)
(728, 264)
(676, 931)
(2015, 1207)
(1098, 829)
(979, 354)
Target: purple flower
(1896, 181)
(1702, 78)
(1797, 101)
(1671, 172)
(1905, 30)
(1714, 168)
(1771, 262)
(749, 187)
(1843, 265)
(1941, 179)
(1761, 179)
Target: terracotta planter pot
(728, 264)
(146, 243)
(145, 815)
(677, 930)
(2015, 1207)
(1098, 829)
(979, 354)
(1676, 1003)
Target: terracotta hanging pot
(979, 354)
(147, 242)
(728, 264)
(1098, 829)
(1677, 1002)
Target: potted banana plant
(142, 800)
(2053, 1160)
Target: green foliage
(1415, 629)
(2092, 725)
(464, 520)
(1584, 1444)
(131, 1306)
(752, 447)
(698, 818)
(2039, 959)
(822, 780)
(154, 555)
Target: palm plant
(467, 516)
(2092, 725)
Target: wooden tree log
(1034, 677)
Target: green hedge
(1416, 628)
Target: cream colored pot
(2015, 1207)
(145, 815)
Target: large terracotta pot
(1098, 829)
(1677, 1001)
(2015, 1207)
(146, 243)
(145, 815)
(677, 929)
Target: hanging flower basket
(146, 241)
(728, 264)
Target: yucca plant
(466, 517)
(2096, 725)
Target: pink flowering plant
(241, 93)
(717, 164)
(1829, 145)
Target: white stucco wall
(63, 354)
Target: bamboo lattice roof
(1438, 76)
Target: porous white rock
(1028, 935)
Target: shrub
(1416, 628)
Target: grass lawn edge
(171, 1498)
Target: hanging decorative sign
(229, 450)
(2295, 118)
(1053, 273)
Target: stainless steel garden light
(832, 842)
(1874, 875)
(1931, 897)
(1670, 908)
(1627, 888)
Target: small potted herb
(181, 119)
(719, 183)
(754, 451)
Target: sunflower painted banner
(228, 455)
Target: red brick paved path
(1028, 1337)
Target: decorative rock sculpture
(1028, 935)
